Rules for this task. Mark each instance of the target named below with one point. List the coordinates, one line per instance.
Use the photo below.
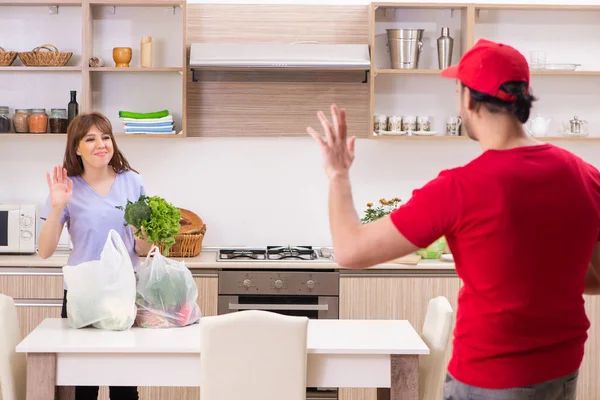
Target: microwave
(17, 229)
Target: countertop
(207, 260)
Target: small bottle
(73, 107)
(4, 119)
(444, 48)
(146, 52)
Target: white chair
(437, 330)
(253, 355)
(12, 364)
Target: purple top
(90, 217)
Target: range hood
(280, 56)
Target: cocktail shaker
(444, 48)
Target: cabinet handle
(38, 303)
(284, 307)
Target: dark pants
(91, 392)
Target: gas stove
(276, 253)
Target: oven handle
(281, 307)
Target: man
(522, 221)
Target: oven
(298, 292)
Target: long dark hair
(78, 128)
(520, 107)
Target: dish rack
(7, 57)
(52, 57)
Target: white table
(341, 353)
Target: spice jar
(58, 120)
(20, 120)
(38, 120)
(4, 120)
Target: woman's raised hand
(61, 187)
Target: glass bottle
(38, 121)
(58, 120)
(4, 119)
(20, 120)
(73, 107)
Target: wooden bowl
(122, 56)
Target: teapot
(539, 126)
(576, 127)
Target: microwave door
(9, 231)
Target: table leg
(41, 376)
(404, 380)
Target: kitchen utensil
(146, 52)
(453, 126)
(538, 126)
(445, 44)
(576, 127)
(405, 46)
(122, 56)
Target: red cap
(487, 66)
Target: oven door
(313, 307)
(9, 230)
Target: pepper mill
(444, 48)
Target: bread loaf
(190, 222)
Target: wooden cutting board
(411, 259)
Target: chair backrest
(437, 330)
(253, 355)
(12, 364)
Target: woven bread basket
(52, 57)
(7, 57)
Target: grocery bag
(101, 293)
(166, 293)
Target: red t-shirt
(521, 224)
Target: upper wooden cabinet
(92, 28)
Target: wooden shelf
(149, 136)
(40, 69)
(407, 72)
(432, 5)
(136, 69)
(564, 73)
(538, 7)
(40, 2)
(137, 3)
(14, 135)
(406, 137)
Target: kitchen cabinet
(392, 296)
(588, 386)
(92, 28)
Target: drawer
(31, 284)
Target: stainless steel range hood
(280, 56)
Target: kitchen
(223, 168)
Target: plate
(424, 133)
(447, 257)
(561, 67)
(391, 133)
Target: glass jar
(38, 121)
(4, 120)
(20, 120)
(58, 120)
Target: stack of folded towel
(159, 122)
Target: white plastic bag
(166, 293)
(101, 293)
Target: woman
(101, 179)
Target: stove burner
(297, 252)
(230, 254)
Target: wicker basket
(186, 245)
(7, 57)
(50, 58)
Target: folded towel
(157, 130)
(136, 115)
(168, 118)
(149, 125)
(151, 133)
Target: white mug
(424, 123)
(453, 126)
(394, 124)
(379, 123)
(409, 124)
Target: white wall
(257, 191)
